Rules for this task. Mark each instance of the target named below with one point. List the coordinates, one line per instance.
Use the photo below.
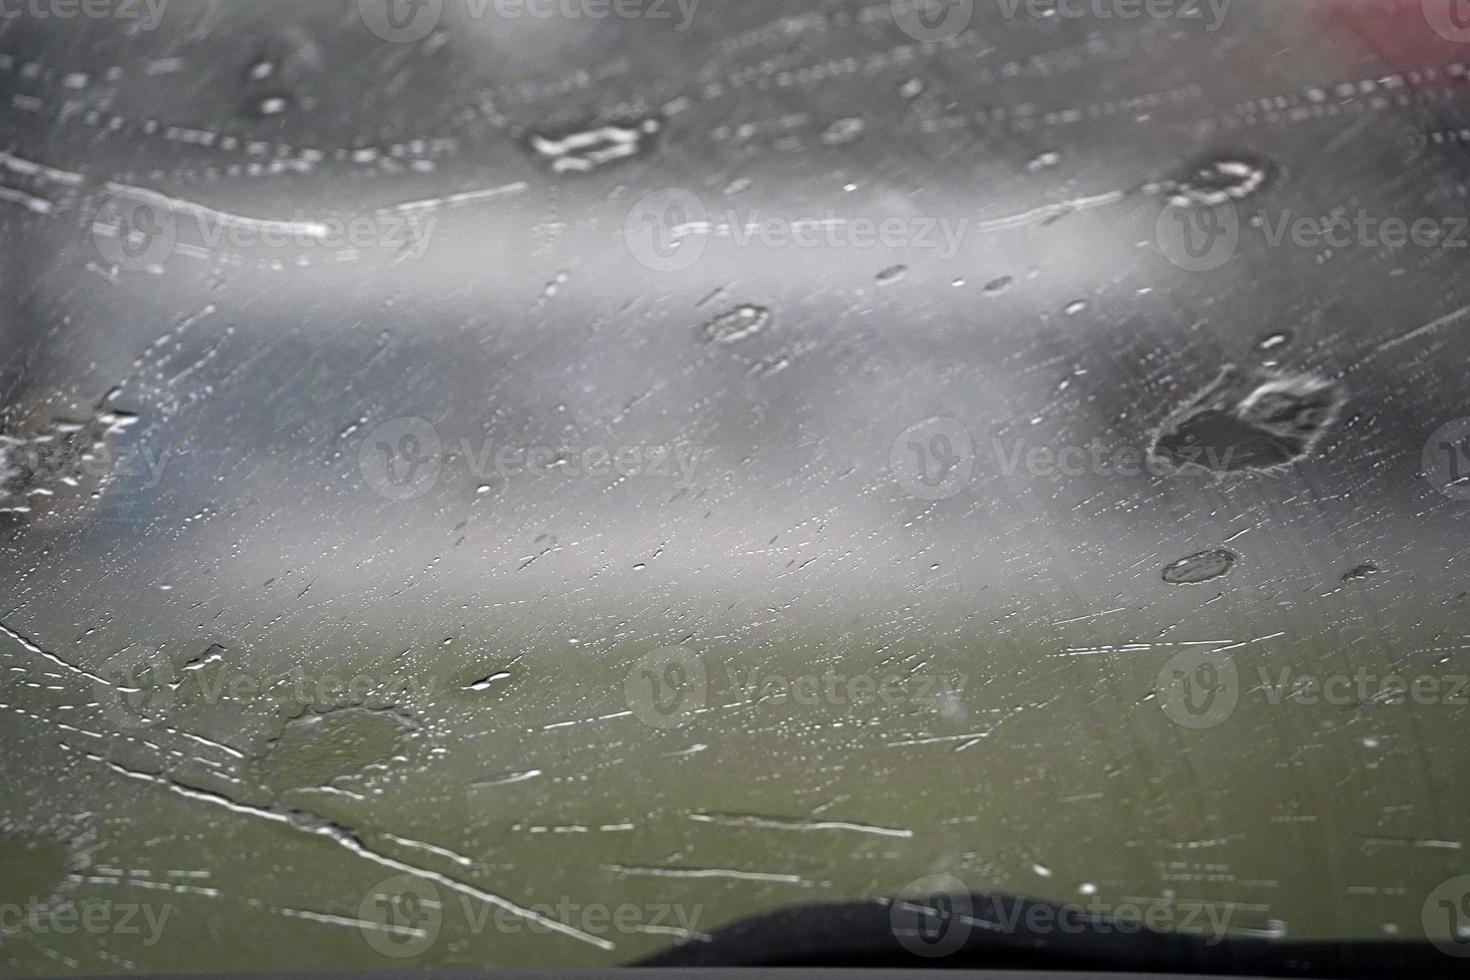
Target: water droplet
(586, 150)
(1213, 182)
(1200, 567)
(317, 746)
(1275, 340)
(1248, 420)
(56, 456)
(997, 286)
(1048, 159)
(891, 275)
(1074, 308)
(485, 683)
(735, 326)
(1216, 182)
(844, 131)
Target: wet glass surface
(530, 490)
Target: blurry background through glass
(488, 484)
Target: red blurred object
(1409, 34)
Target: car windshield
(535, 483)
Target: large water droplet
(740, 323)
(1200, 567)
(1216, 182)
(891, 275)
(1248, 420)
